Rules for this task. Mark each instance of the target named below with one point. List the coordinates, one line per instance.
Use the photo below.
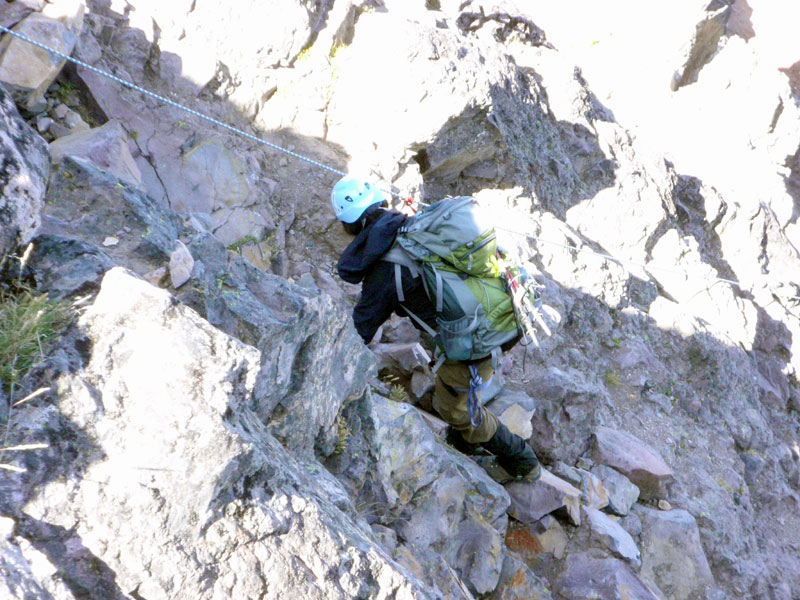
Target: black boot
(454, 439)
(513, 454)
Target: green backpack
(482, 301)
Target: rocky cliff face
(208, 424)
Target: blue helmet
(351, 197)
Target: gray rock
(672, 555)
(633, 458)
(603, 530)
(434, 496)
(24, 178)
(67, 267)
(43, 123)
(421, 384)
(57, 130)
(87, 204)
(239, 516)
(105, 147)
(622, 493)
(27, 573)
(703, 45)
(593, 492)
(589, 575)
(545, 536)
(531, 501)
(181, 264)
(515, 409)
(75, 122)
(28, 71)
(518, 582)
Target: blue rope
(473, 398)
(133, 86)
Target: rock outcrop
(26, 165)
(215, 426)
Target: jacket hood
(370, 245)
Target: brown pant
(451, 403)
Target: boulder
(590, 575)
(633, 458)
(105, 147)
(27, 573)
(531, 501)
(67, 267)
(88, 204)
(158, 425)
(545, 536)
(622, 493)
(593, 493)
(28, 70)
(181, 264)
(672, 554)
(598, 529)
(518, 582)
(435, 498)
(23, 180)
(515, 409)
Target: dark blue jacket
(361, 263)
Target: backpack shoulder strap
(399, 256)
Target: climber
(363, 211)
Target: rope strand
(172, 103)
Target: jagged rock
(545, 536)
(23, 181)
(589, 575)
(67, 267)
(598, 529)
(421, 384)
(105, 147)
(433, 495)
(27, 70)
(633, 458)
(531, 501)
(27, 573)
(672, 555)
(181, 264)
(85, 203)
(622, 493)
(702, 46)
(593, 492)
(565, 409)
(43, 123)
(309, 346)
(515, 409)
(518, 582)
(439, 502)
(189, 168)
(211, 494)
(479, 109)
(402, 357)
(244, 302)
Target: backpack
(482, 299)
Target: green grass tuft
(28, 323)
